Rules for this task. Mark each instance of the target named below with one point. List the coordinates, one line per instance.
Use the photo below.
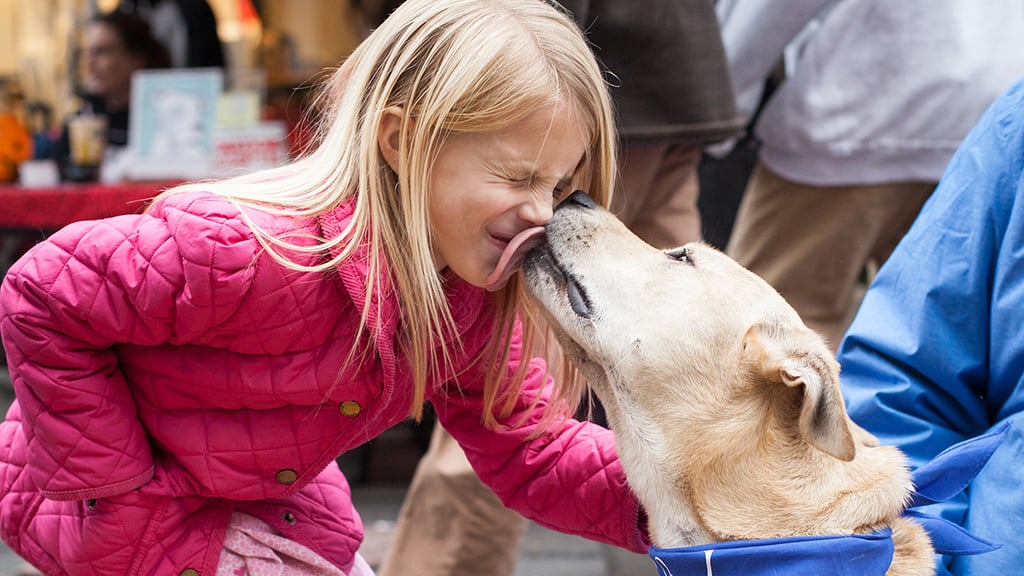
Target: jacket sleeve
(149, 279)
(935, 353)
(567, 478)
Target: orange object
(15, 146)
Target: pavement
(380, 478)
(543, 552)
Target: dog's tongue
(512, 257)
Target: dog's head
(727, 411)
(673, 338)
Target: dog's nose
(578, 198)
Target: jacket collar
(382, 312)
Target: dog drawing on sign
(180, 128)
(727, 410)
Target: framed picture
(172, 120)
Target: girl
(186, 378)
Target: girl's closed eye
(532, 182)
(559, 191)
(513, 176)
(524, 181)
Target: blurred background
(288, 41)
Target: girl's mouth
(512, 256)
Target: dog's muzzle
(546, 254)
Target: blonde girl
(186, 378)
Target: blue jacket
(936, 352)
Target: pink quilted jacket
(168, 371)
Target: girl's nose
(537, 209)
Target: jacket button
(287, 476)
(289, 518)
(189, 572)
(350, 408)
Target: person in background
(187, 27)
(673, 96)
(114, 46)
(186, 378)
(876, 97)
(935, 355)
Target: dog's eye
(682, 254)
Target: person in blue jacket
(935, 354)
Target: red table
(52, 208)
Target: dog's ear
(802, 360)
(862, 436)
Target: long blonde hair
(452, 66)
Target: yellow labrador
(727, 410)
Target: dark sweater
(668, 71)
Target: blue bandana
(854, 555)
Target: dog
(726, 408)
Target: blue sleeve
(935, 354)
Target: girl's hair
(136, 37)
(452, 66)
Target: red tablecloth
(53, 208)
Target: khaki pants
(818, 245)
(450, 523)
(657, 195)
